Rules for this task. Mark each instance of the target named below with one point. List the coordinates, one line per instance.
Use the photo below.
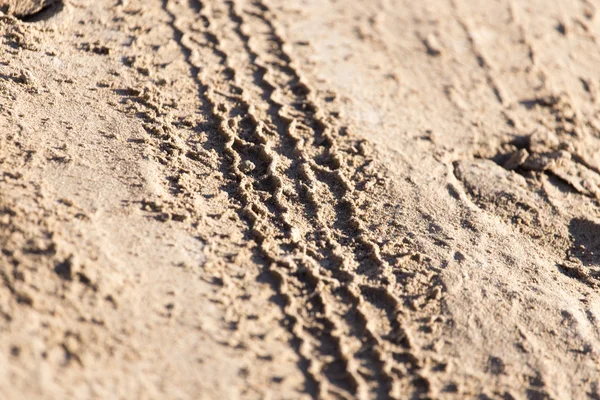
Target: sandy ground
(300, 199)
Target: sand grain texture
(300, 199)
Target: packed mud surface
(299, 199)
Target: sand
(299, 199)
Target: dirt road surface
(300, 199)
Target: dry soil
(299, 199)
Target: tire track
(323, 160)
(259, 190)
(348, 325)
(351, 369)
(300, 171)
(300, 175)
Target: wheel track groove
(300, 277)
(296, 104)
(333, 321)
(287, 270)
(300, 167)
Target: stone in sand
(22, 8)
